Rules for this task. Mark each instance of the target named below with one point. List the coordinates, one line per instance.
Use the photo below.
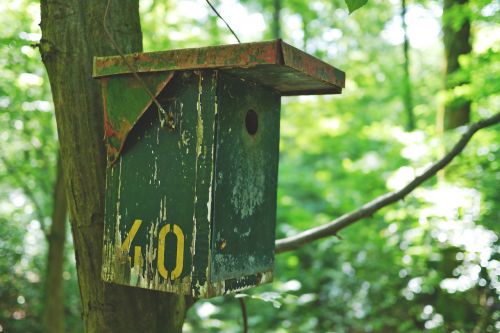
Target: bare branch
(367, 210)
(244, 314)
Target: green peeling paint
(169, 178)
(191, 207)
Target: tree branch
(367, 210)
(244, 314)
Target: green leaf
(272, 297)
(352, 5)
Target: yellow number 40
(179, 262)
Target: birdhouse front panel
(191, 186)
(158, 191)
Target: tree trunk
(456, 43)
(53, 315)
(407, 95)
(305, 29)
(72, 34)
(276, 26)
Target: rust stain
(120, 130)
(299, 73)
(108, 127)
(312, 66)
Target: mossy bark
(456, 39)
(72, 34)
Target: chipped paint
(247, 192)
(123, 110)
(199, 124)
(205, 191)
(118, 201)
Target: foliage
(28, 155)
(406, 269)
(355, 4)
(428, 263)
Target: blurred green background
(428, 263)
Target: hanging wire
(131, 67)
(161, 110)
(227, 24)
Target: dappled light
(429, 262)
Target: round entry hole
(252, 122)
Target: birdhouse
(191, 186)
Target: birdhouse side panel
(246, 170)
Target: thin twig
(227, 24)
(129, 64)
(244, 314)
(331, 228)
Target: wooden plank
(246, 171)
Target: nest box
(191, 189)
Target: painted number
(179, 262)
(128, 240)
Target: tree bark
(53, 315)
(72, 34)
(276, 26)
(457, 42)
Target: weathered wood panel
(162, 231)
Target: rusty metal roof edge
(113, 65)
(274, 52)
(335, 77)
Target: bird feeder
(191, 186)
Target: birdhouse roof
(274, 64)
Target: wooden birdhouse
(191, 187)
